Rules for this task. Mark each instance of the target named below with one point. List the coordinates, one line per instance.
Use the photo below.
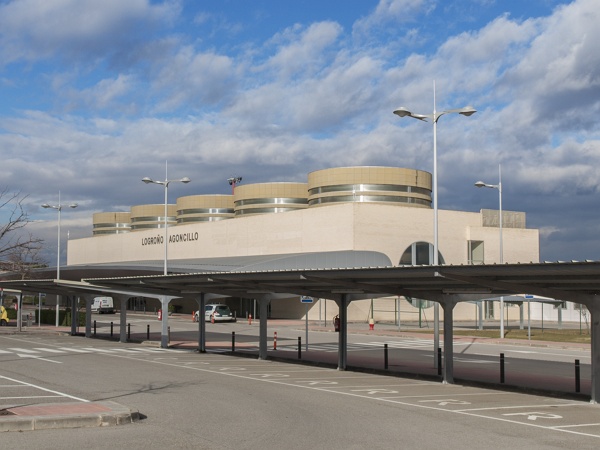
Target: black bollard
(385, 356)
(299, 347)
(128, 331)
(232, 341)
(577, 376)
(148, 332)
(111, 329)
(502, 368)
(94, 328)
(439, 357)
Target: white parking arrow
(445, 402)
(269, 375)
(535, 415)
(375, 391)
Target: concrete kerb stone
(66, 415)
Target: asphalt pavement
(108, 413)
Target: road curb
(66, 415)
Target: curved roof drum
(111, 223)
(374, 184)
(204, 208)
(144, 217)
(264, 198)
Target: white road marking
(49, 350)
(22, 350)
(60, 394)
(36, 357)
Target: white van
(103, 305)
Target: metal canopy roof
(575, 281)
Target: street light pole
(498, 186)
(233, 181)
(59, 208)
(166, 185)
(164, 340)
(403, 112)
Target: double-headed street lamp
(434, 117)
(59, 208)
(164, 340)
(498, 186)
(165, 183)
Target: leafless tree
(19, 251)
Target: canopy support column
(343, 336)
(448, 368)
(263, 304)
(74, 315)
(89, 299)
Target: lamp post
(164, 339)
(232, 182)
(165, 183)
(498, 186)
(59, 208)
(434, 117)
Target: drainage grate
(6, 412)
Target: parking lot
(189, 399)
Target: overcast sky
(96, 94)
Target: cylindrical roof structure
(370, 184)
(263, 198)
(145, 217)
(111, 223)
(204, 208)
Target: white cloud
(393, 12)
(302, 52)
(34, 29)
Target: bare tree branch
(19, 252)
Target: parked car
(220, 313)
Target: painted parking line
(30, 385)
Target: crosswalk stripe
(75, 350)
(99, 350)
(49, 350)
(126, 350)
(22, 350)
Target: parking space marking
(58, 394)
(496, 408)
(327, 380)
(578, 425)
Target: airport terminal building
(341, 217)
